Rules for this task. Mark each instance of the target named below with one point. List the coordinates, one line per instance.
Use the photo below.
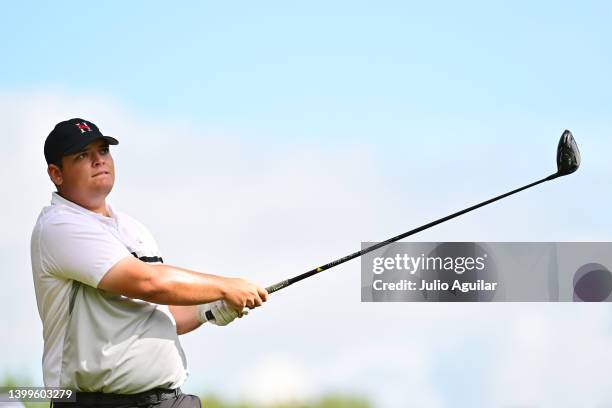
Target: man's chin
(104, 188)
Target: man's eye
(82, 155)
(104, 150)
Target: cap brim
(83, 143)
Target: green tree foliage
(211, 401)
(329, 401)
(9, 380)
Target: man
(111, 309)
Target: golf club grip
(269, 289)
(278, 286)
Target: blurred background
(261, 139)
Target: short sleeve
(76, 248)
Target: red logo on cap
(83, 127)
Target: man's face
(88, 174)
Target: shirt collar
(57, 199)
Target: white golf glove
(222, 313)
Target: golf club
(568, 161)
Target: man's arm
(171, 285)
(185, 317)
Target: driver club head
(568, 155)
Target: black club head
(568, 155)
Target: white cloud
(555, 357)
(276, 379)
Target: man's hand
(223, 314)
(240, 293)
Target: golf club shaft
(291, 281)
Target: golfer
(111, 309)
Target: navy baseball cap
(71, 136)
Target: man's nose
(97, 158)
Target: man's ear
(55, 174)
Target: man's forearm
(185, 317)
(177, 286)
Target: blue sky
(264, 138)
(312, 69)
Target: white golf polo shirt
(96, 340)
